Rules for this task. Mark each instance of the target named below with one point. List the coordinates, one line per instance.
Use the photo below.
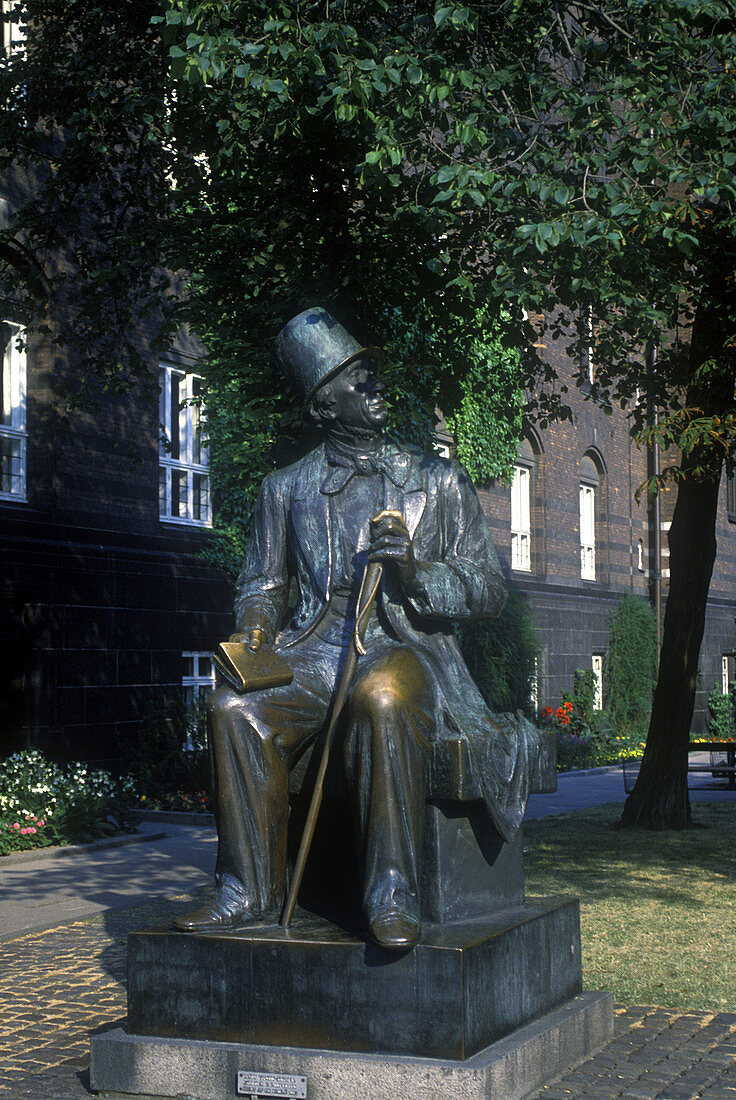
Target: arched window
(527, 523)
(589, 488)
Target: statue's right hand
(253, 637)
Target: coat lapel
(405, 492)
(311, 519)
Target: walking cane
(366, 598)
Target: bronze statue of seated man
(312, 528)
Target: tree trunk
(660, 798)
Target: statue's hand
(390, 543)
(253, 637)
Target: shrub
(630, 665)
(169, 762)
(43, 803)
(502, 656)
(720, 716)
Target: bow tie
(344, 464)
(360, 462)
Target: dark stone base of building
(126, 1066)
(93, 625)
(318, 986)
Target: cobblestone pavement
(658, 1054)
(59, 986)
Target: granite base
(152, 1068)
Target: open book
(246, 670)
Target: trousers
(257, 737)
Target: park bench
(722, 768)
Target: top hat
(313, 347)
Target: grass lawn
(658, 910)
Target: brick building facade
(585, 541)
(105, 600)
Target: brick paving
(657, 1054)
(59, 986)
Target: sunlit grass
(658, 909)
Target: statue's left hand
(390, 543)
(253, 638)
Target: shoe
(215, 916)
(394, 929)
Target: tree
(255, 193)
(430, 167)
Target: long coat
(459, 578)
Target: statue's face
(357, 395)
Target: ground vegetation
(630, 890)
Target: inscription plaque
(272, 1084)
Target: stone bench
(467, 869)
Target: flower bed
(43, 803)
(197, 802)
(586, 740)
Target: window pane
(520, 519)
(163, 405)
(520, 551)
(587, 532)
(201, 500)
(6, 380)
(199, 446)
(587, 563)
(520, 499)
(184, 493)
(175, 399)
(587, 514)
(162, 505)
(12, 377)
(179, 494)
(11, 480)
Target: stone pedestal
(126, 1066)
(487, 1006)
